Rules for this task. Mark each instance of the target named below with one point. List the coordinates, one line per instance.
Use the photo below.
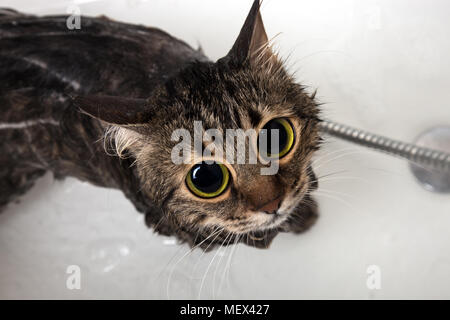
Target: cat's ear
(115, 110)
(252, 43)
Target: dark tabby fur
(141, 83)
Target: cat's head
(224, 201)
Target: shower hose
(422, 156)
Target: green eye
(208, 180)
(286, 136)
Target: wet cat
(62, 90)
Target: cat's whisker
(319, 178)
(409, 161)
(160, 221)
(265, 238)
(230, 249)
(369, 152)
(204, 251)
(133, 163)
(347, 178)
(158, 276)
(337, 193)
(332, 177)
(331, 196)
(392, 172)
(186, 254)
(207, 270)
(228, 267)
(322, 155)
(338, 157)
(220, 260)
(323, 51)
(318, 161)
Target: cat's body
(43, 64)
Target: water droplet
(107, 254)
(170, 241)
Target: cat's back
(43, 63)
(103, 56)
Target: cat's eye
(286, 137)
(208, 180)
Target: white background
(379, 65)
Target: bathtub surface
(378, 65)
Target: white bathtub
(378, 65)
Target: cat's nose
(272, 206)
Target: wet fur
(43, 65)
